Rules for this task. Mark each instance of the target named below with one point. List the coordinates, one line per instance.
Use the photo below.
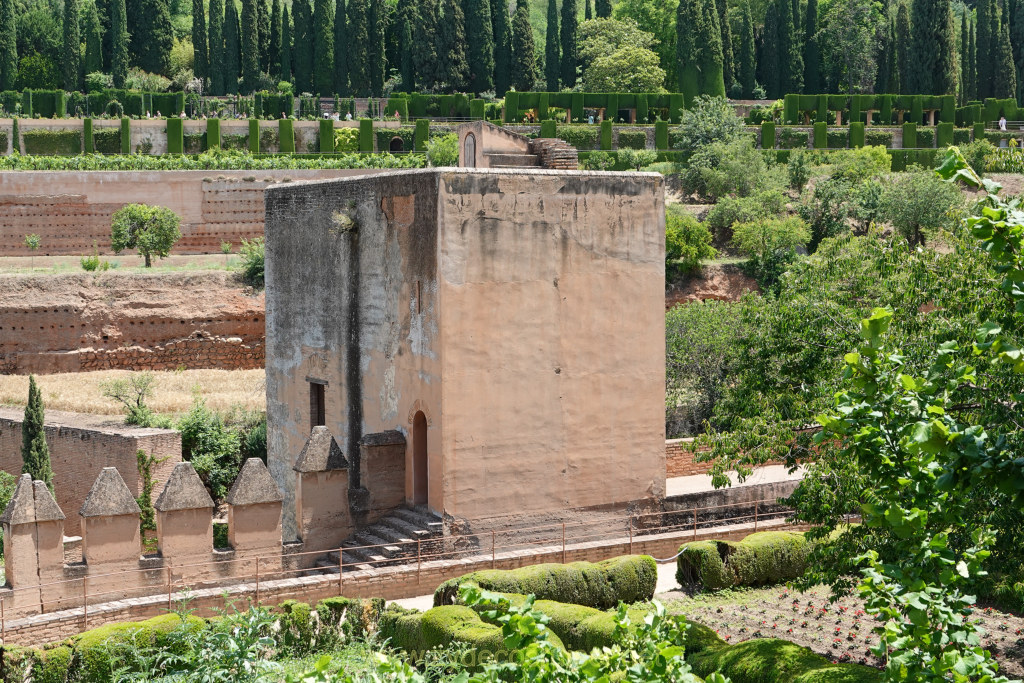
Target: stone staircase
(507, 160)
(550, 153)
(396, 539)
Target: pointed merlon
(321, 453)
(109, 496)
(392, 437)
(254, 485)
(22, 508)
(184, 491)
(47, 509)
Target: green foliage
(35, 454)
(132, 392)
(777, 661)
(152, 230)
(798, 170)
(49, 142)
(771, 244)
(734, 167)
(763, 558)
(213, 448)
(710, 119)
(880, 138)
(731, 210)
(600, 584)
(858, 165)
(107, 140)
(580, 137)
(145, 464)
(919, 205)
(632, 139)
(792, 139)
(598, 161)
(687, 241)
(101, 652)
(443, 150)
(636, 159)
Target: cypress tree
(424, 57)
(199, 40)
(965, 56)
(893, 65)
(932, 49)
(286, 45)
(790, 60)
(987, 29)
(689, 25)
(812, 52)
(972, 63)
(358, 46)
(249, 43)
(588, 13)
(884, 66)
(552, 55)
(524, 60)
(341, 48)
(770, 61)
(216, 36)
(712, 77)
(603, 8)
(728, 62)
(93, 40)
(323, 47)
(479, 31)
(1017, 41)
(1005, 71)
(302, 63)
(151, 35)
(232, 48)
(903, 48)
(275, 40)
(502, 46)
(8, 46)
(263, 35)
(376, 62)
(405, 66)
(35, 455)
(453, 70)
(570, 47)
(71, 55)
(118, 42)
(746, 66)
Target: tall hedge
(476, 108)
(768, 135)
(629, 579)
(791, 109)
(254, 136)
(213, 134)
(175, 136)
(820, 135)
(286, 136)
(326, 136)
(763, 558)
(661, 135)
(511, 107)
(87, 143)
(548, 128)
(909, 135)
(944, 135)
(857, 134)
(126, 135)
(606, 135)
(421, 135)
(365, 135)
(979, 130)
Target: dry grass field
(173, 391)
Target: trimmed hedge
(857, 134)
(769, 660)
(580, 137)
(838, 139)
(421, 135)
(416, 632)
(386, 135)
(477, 108)
(630, 578)
(93, 648)
(175, 136)
(820, 135)
(326, 136)
(365, 135)
(254, 136)
(548, 128)
(944, 135)
(51, 142)
(661, 135)
(168, 104)
(632, 139)
(107, 140)
(286, 136)
(767, 135)
(961, 136)
(925, 137)
(763, 558)
(792, 139)
(909, 135)
(87, 139)
(606, 135)
(126, 135)
(873, 138)
(213, 133)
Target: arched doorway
(469, 151)
(419, 459)
(396, 145)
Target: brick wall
(81, 446)
(679, 458)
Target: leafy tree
(552, 53)
(8, 46)
(71, 57)
(274, 66)
(35, 454)
(250, 45)
(286, 44)
(524, 60)
(479, 31)
(152, 230)
(812, 53)
(659, 20)
(619, 58)
(93, 62)
(217, 51)
(502, 46)
(32, 241)
(199, 40)
(932, 48)
(746, 58)
(425, 57)
(443, 150)
(687, 241)
(850, 39)
(341, 48)
(1004, 69)
(699, 50)
(732, 166)
(637, 158)
(323, 47)
(232, 48)
(453, 69)
(407, 21)
(375, 62)
(919, 205)
(263, 35)
(771, 245)
(302, 15)
(119, 42)
(358, 47)
(152, 36)
(211, 446)
(987, 34)
(570, 47)
(37, 71)
(710, 119)
(965, 56)
(132, 392)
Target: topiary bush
(97, 651)
(580, 137)
(776, 661)
(52, 665)
(874, 138)
(791, 139)
(632, 139)
(628, 579)
(417, 632)
(763, 558)
(837, 139)
(50, 142)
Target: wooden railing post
(257, 582)
(341, 570)
(695, 524)
(755, 515)
(631, 534)
(563, 542)
(168, 588)
(418, 556)
(85, 603)
(493, 536)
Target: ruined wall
(84, 321)
(81, 446)
(71, 210)
(680, 460)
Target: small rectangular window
(317, 405)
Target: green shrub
(837, 139)
(53, 665)
(443, 150)
(777, 661)
(417, 632)
(763, 558)
(687, 241)
(98, 651)
(661, 142)
(856, 165)
(881, 138)
(152, 230)
(632, 139)
(580, 137)
(598, 161)
(175, 128)
(107, 140)
(961, 136)
(798, 170)
(252, 261)
(195, 143)
(909, 135)
(731, 210)
(603, 585)
(792, 139)
(346, 140)
(385, 135)
(768, 135)
(925, 137)
(51, 142)
(212, 447)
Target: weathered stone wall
(83, 321)
(71, 210)
(81, 446)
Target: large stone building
(487, 343)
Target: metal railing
(551, 539)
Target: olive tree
(152, 230)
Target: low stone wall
(81, 446)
